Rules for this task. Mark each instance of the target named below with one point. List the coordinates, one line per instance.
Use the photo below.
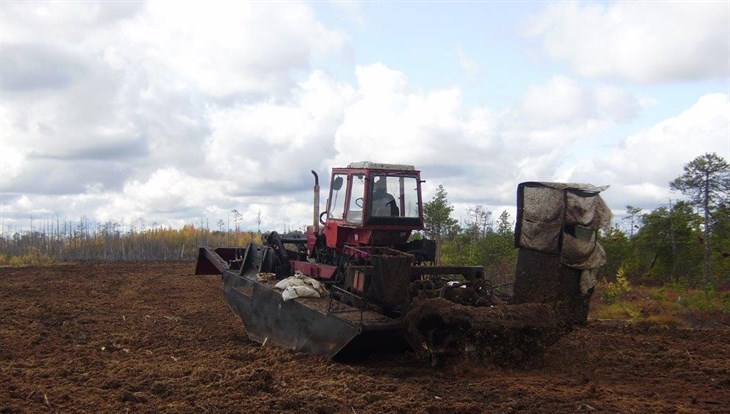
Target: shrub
(32, 258)
(620, 310)
(614, 291)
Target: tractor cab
(372, 204)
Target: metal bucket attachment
(317, 326)
(290, 324)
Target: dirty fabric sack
(301, 286)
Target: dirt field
(155, 338)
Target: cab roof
(381, 166)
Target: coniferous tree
(706, 181)
(437, 217)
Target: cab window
(337, 197)
(394, 196)
(357, 192)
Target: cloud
(640, 169)
(478, 154)
(168, 190)
(58, 23)
(54, 176)
(563, 100)
(205, 159)
(11, 162)
(143, 84)
(34, 66)
(269, 147)
(467, 63)
(647, 42)
(176, 112)
(153, 109)
(229, 50)
(389, 121)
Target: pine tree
(437, 215)
(706, 181)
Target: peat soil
(152, 337)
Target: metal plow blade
(313, 325)
(440, 330)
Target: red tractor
(358, 284)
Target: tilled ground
(151, 337)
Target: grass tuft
(667, 305)
(32, 258)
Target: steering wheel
(321, 217)
(358, 202)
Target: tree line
(86, 240)
(687, 241)
(479, 240)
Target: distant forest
(662, 246)
(61, 241)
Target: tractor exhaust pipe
(315, 216)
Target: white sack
(301, 286)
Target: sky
(178, 112)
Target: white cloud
(102, 81)
(617, 104)
(640, 170)
(11, 162)
(467, 63)
(260, 153)
(58, 23)
(563, 101)
(113, 108)
(390, 122)
(642, 41)
(226, 49)
(269, 147)
(478, 154)
(172, 112)
(560, 100)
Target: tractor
(361, 283)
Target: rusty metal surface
(210, 262)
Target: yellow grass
(669, 305)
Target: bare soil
(151, 337)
